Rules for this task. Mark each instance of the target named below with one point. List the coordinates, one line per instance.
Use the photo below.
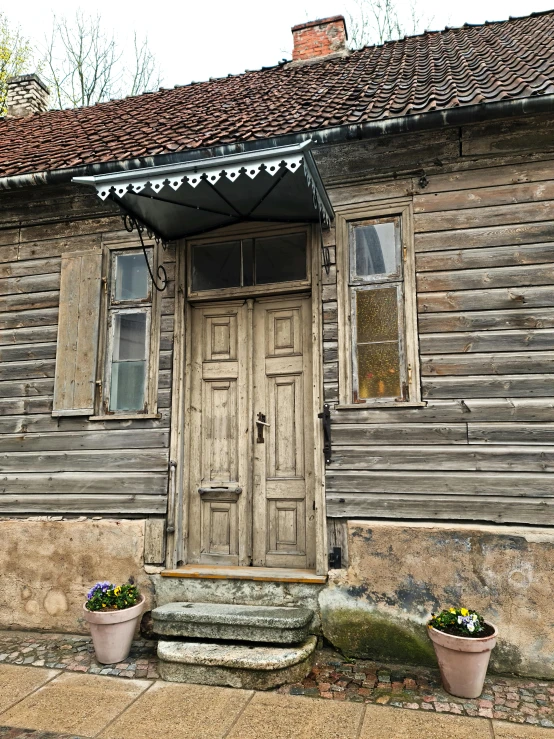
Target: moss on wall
(357, 632)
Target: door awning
(281, 184)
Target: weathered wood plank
(117, 439)
(494, 299)
(38, 335)
(29, 369)
(75, 483)
(30, 284)
(364, 191)
(96, 460)
(534, 133)
(480, 174)
(489, 236)
(475, 279)
(31, 267)
(451, 458)
(17, 406)
(486, 386)
(499, 256)
(154, 541)
(48, 247)
(84, 503)
(488, 364)
(511, 433)
(38, 423)
(496, 215)
(30, 318)
(520, 484)
(454, 411)
(397, 433)
(28, 301)
(447, 507)
(27, 352)
(26, 388)
(483, 195)
(67, 229)
(479, 341)
(494, 320)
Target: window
(246, 263)
(129, 321)
(379, 311)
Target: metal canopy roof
(281, 184)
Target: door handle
(260, 423)
(217, 488)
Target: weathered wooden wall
(482, 448)
(67, 465)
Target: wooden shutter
(77, 349)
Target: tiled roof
(434, 71)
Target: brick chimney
(319, 38)
(27, 94)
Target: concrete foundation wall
(47, 567)
(400, 572)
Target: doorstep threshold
(264, 574)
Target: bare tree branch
(377, 21)
(85, 65)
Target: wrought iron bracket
(325, 416)
(131, 224)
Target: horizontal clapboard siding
(482, 449)
(67, 465)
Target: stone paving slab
(73, 703)
(521, 701)
(8, 732)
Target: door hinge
(325, 416)
(335, 558)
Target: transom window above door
(251, 264)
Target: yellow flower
(452, 610)
(464, 611)
(103, 605)
(117, 590)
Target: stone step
(278, 625)
(235, 665)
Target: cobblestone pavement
(519, 700)
(75, 653)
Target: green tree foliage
(16, 56)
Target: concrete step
(235, 665)
(278, 625)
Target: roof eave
(339, 134)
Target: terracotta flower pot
(463, 661)
(112, 631)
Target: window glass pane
(127, 386)
(129, 336)
(216, 266)
(376, 251)
(281, 258)
(377, 314)
(131, 277)
(378, 370)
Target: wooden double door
(251, 446)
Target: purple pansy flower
(100, 586)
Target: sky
(203, 39)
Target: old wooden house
(286, 339)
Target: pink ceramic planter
(463, 661)
(112, 631)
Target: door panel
(283, 469)
(219, 469)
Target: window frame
(151, 305)
(242, 232)
(347, 287)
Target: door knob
(261, 423)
